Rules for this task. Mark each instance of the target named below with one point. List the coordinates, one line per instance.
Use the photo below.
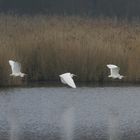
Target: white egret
(114, 71)
(66, 78)
(16, 69)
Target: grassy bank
(49, 46)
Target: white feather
(114, 71)
(66, 78)
(16, 68)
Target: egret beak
(74, 75)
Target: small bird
(16, 69)
(66, 78)
(114, 71)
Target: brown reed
(47, 46)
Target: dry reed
(49, 46)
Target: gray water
(61, 113)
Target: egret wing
(62, 80)
(67, 79)
(111, 66)
(115, 71)
(15, 66)
(12, 65)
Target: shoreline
(58, 84)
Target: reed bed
(47, 46)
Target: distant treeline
(111, 8)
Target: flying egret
(66, 78)
(114, 71)
(16, 69)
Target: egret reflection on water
(12, 118)
(66, 78)
(113, 119)
(68, 118)
(16, 69)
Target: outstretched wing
(114, 70)
(110, 66)
(67, 79)
(62, 80)
(15, 66)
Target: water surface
(62, 113)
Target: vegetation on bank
(48, 46)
